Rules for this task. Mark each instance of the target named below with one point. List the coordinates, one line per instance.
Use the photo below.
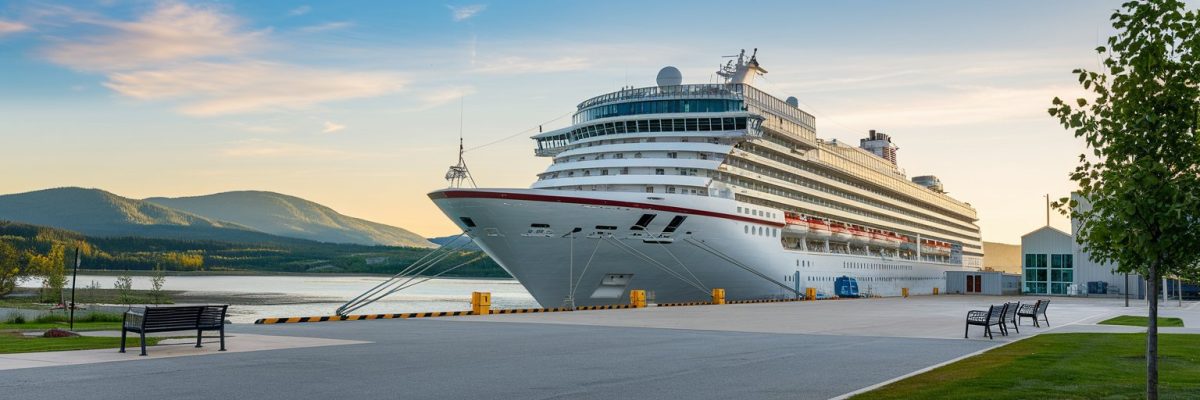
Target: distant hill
(1002, 257)
(100, 213)
(283, 215)
(276, 254)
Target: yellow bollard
(718, 296)
(637, 298)
(904, 292)
(481, 303)
(810, 293)
(935, 291)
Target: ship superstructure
(679, 188)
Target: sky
(357, 105)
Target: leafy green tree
(10, 267)
(156, 284)
(1141, 177)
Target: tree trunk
(1152, 336)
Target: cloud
(440, 96)
(8, 27)
(258, 148)
(328, 26)
(331, 127)
(208, 89)
(523, 65)
(171, 32)
(463, 13)
(203, 59)
(298, 11)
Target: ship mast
(459, 173)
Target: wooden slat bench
(153, 319)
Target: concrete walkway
(802, 350)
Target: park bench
(1010, 317)
(174, 318)
(993, 316)
(1032, 311)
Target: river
(257, 296)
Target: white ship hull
(529, 232)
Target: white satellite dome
(793, 101)
(669, 76)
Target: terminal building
(1053, 263)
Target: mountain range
(243, 216)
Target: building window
(659, 171)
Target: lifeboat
(907, 244)
(859, 236)
(936, 248)
(879, 239)
(796, 226)
(839, 232)
(818, 229)
(894, 240)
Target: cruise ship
(677, 189)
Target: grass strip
(1132, 320)
(1060, 366)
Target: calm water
(321, 295)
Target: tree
(10, 267)
(156, 284)
(1141, 177)
(124, 286)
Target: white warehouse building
(1053, 263)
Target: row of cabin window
(792, 178)
(624, 171)
(701, 155)
(754, 212)
(658, 125)
(767, 188)
(658, 107)
(761, 231)
(852, 265)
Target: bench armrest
(133, 318)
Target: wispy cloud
(202, 58)
(523, 65)
(331, 127)
(258, 148)
(171, 32)
(328, 26)
(437, 97)
(298, 11)
(8, 27)
(463, 13)
(232, 88)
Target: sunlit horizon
(359, 108)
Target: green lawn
(15, 343)
(1060, 366)
(1142, 321)
(79, 326)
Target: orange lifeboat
(818, 228)
(795, 224)
(839, 232)
(858, 235)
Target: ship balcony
(548, 151)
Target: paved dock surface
(806, 350)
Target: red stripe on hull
(467, 194)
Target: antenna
(459, 173)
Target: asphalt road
(432, 359)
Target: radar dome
(793, 101)
(669, 76)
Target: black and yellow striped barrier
(693, 303)
(529, 310)
(763, 301)
(606, 307)
(361, 317)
